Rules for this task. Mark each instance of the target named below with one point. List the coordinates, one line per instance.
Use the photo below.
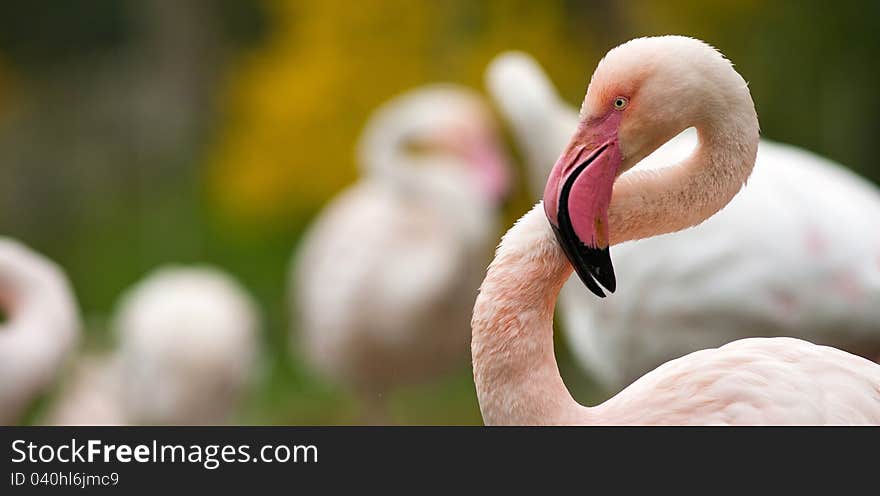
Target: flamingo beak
(576, 202)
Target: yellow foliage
(295, 105)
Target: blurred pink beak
(493, 170)
(577, 198)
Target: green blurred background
(135, 133)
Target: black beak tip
(597, 261)
(593, 265)
(605, 277)
(590, 283)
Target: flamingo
(40, 329)
(188, 342)
(383, 282)
(187, 348)
(795, 254)
(643, 93)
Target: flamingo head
(461, 125)
(642, 94)
(450, 122)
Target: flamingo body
(188, 344)
(752, 381)
(384, 280)
(402, 292)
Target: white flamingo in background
(40, 329)
(796, 254)
(188, 346)
(384, 281)
(643, 93)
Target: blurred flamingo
(643, 93)
(796, 254)
(188, 343)
(90, 394)
(384, 281)
(188, 346)
(40, 328)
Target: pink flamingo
(384, 279)
(800, 272)
(643, 93)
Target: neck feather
(515, 369)
(660, 201)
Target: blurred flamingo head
(642, 94)
(445, 121)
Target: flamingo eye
(620, 103)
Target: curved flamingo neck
(647, 203)
(25, 297)
(382, 154)
(384, 158)
(38, 305)
(16, 299)
(41, 327)
(515, 370)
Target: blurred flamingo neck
(650, 203)
(389, 160)
(33, 302)
(515, 370)
(15, 297)
(384, 157)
